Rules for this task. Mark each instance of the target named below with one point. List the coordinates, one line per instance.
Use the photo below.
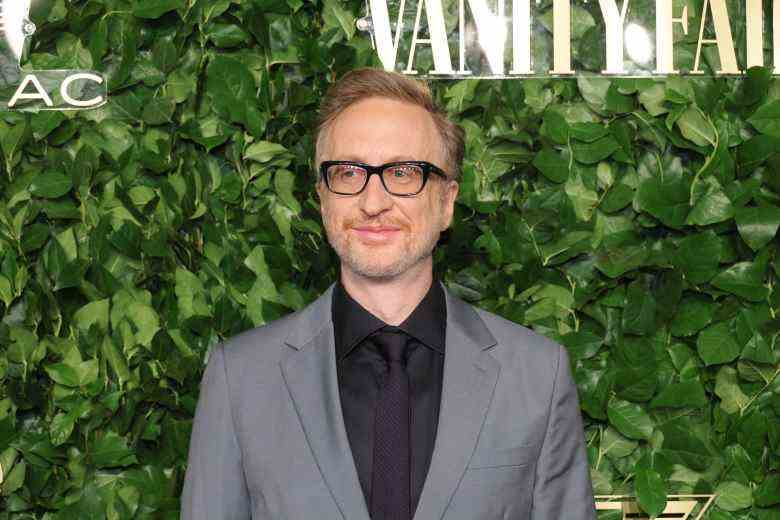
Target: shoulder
(514, 333)
(521, 347)
(259, 347)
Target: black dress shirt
(361, 368)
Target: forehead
(377, 130)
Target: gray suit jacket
(269, 442)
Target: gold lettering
(386, 48)
(437, 39)
(664, 35)
(776, 35)
(561, 37)
(723, 39)
(491, 32)
(613, 21)
(521, 37)
(462, 38)
(754, 33)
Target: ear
(451, 190)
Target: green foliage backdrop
(634, 221)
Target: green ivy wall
(634, 221)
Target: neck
(390, 299)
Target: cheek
(334, 215)
(423, 218)
(327, 214)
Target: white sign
(506, 38)
(39, 90)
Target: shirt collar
(352, 322)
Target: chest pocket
(520, 455)
(497, 485)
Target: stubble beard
(371, 261)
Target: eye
(348, 171)
(404, 173)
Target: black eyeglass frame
(426, 167)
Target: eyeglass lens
(400, 179)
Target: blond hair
(364, 83)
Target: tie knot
(392, 343)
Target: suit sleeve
(563, 488)
(214, 485)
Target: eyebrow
(395, 158)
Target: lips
(375, 234)
(376, 229)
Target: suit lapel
(310, 374)
(470, 375)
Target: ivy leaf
(717, 345)
(263, 151)
(639, 315)
(593, 152)
(109, 450)
(650, 491)
(766, 118)
(745, 279)
(733, 496)
(231, 88)
(759, 350)
(629, 419)
(694, 314)
(710, 204)
(63, 423)
(588, 132)
(652, 98)
(284, 181)
(159, 111)
(95, 312)
(153, 9)
(554, 125)
(767, 494)
(666, 197)
(337, 16)
(732, 399)
(15, 479)
(552, 164)
(685, 394)
(758, 225)
(73, 374)
(615, 444)
(757, 150)
(696, 127)
(698, 256)
(191, 295)
(684, 445)
(51, 185)
(583, 198)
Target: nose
(374, 197)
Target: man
(388, 397)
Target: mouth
(375, 235)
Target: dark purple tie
(390, 494)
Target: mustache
(358, 223)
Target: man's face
(376, 131)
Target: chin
(370, 267)
(375, 270)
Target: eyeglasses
(403, 178)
